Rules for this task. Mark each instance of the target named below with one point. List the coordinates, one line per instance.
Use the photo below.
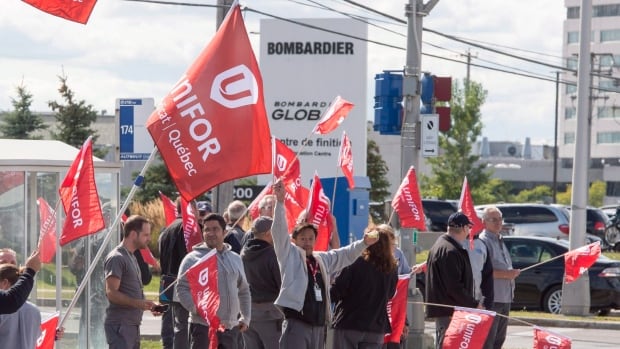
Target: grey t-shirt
(123, 265)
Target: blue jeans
(181, 330)
(167, 330)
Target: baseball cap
(204, 206)
(458, 219)
(262, 224)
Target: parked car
(437, 213)
(609, 210)
(534, 219)
(596, 221)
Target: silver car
(534, 219)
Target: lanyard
(314, 269)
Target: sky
(133, 49)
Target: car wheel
(552, 302)
(612, 235)
(604, 312)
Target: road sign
(430, 135)
(135, 142)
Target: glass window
(572, 12)
(569, 112)
(571, 62)
(609, 85)
(606, 10)
(527, 214)
(569, 137)
(610, 35)
(573, 38)
(608, 112)
(609, 61)
(571, 88)
(607, 137)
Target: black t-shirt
(313, 311)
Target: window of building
(607, 137)
(609, 61)
(573, 38)
(571, 88)
(569, 113)
(610, 35)
(608, 112)
(569, 137)
(572, 62)
(606, 10)
(609, 85)
(572, 12)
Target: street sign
(135, 142)
(430, 135)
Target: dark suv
(437, 212)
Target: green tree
(541, 193)
(596, 193)
(377, 170)
(456, 159)
(156, 179)
(496, 190)
(21, 123)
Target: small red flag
(286, 167)
(333, 116)
(577, 261)
(545, 339)
(76, 11)
(148, 257)
(253, 209)
(293, 207)
(202, 279)
(191, 229)
(468, 328)
(170, 208)
(212, 127)
(48, 332)
(345, 159)
(466, 205)
(47, 232)
(408, 203)
(319, 214)
(80, 199)
(397, 310)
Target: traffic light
(388, 103)
(436, 89)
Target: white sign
(135, 143)
(303, 70)
(430, 135)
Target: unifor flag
(318, 213)
(170, 208)
(286, 167)
(202, 279)
(295, 208)
(80, 200)
(468, 328)
(191, 228)
(577, 261)
(47, 231)
(397, 310)
(466, 205)
(48, 332)
(408, 203)
(345, 159)
(333, 116)
(253, 209)
(74, 10)
(148, 257)
(545, 339)
(212, 126)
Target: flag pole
(548, 260)
(138, 181)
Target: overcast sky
(132, 50)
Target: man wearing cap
(503, 275)
(203, 208)
(263, 275)
(449, 279)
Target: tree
(21, 123)
(596, 193)
(456, 159)
(541, 193)
(377, 170)
(156, 179)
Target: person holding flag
(234, 311)
(13, 298)
(18, 330)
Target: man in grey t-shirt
(123, 286)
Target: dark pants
(229, 339)
(167, 330)
(181, 332)
(441, 325)
(357, 339)
(497, 333)
(300, 335)
(122, 336)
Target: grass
(148, 344)
(542, 315)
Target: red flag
(468, 328)
(397, 310)
(47, 232)
(202, 279)
(293, 207)
(191, 229)
(10, 180)
(333, 116)
(286, 167)
(253, 208)
(148, 257)
(80, 199)
(345, 159)
(544, 339)
(466, 205)
(408, 203)
(212, 127)
(76, 11)
(577, 261)
(319, 214)
(48, 332)
(170, 208)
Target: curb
(599, 325)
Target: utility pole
(223, 193)
(555, 137)
(415, 10)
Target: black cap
(204, 206)
(458, 219)
(262, 224)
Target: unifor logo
(235, 87)
(551, 339)
(203, 277)
(41, 338)
(281, 162)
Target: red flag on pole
(345, 159)
(47, 232)
(466, 205)
(191, 229)
(212, 127)
(397, 310)
(170, 208)
(148, 257)
(319, 214)
(76, 11)
(286, 167)
(202, 279)
(48, 332)
(545, 339)
(80, 199)
(293, 207)
(577, 261)
(253, 208)
(408, 203)
(468, 328)
(333, 116)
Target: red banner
(468, 328)
(80, 199)
(191, 229)
(345, 159)
(212, 127)
(333, 116)
(397, 310)
(202, 278)
(295, 208)
(408, 203)
(47, 232)
(466, 205)
(76, 11)
(170, 208)
(48, 332)
(577, 261)
(319, 214)
(544, 339)
(286, 167)
(253, 209)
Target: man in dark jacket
(261, 270)
(13, 298)
(449, 278)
